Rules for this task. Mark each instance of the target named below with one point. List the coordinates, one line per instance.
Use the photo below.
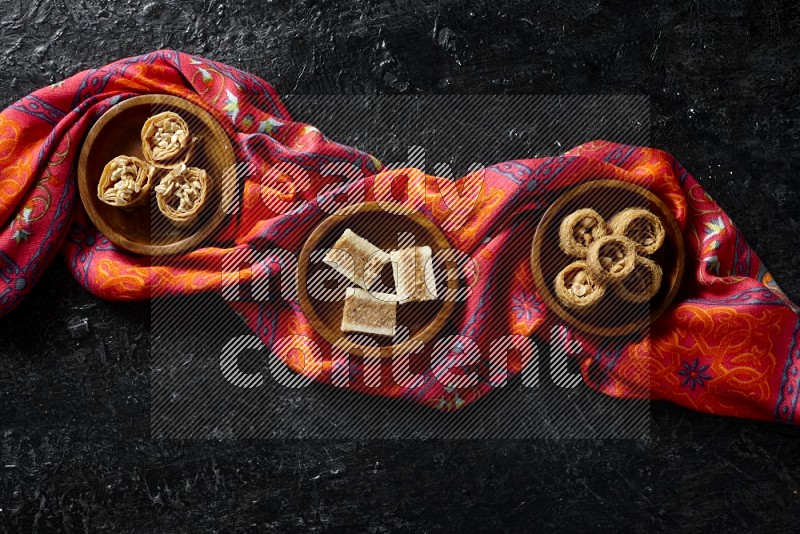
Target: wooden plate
(143, 229)
(382, 228)
(613, 316)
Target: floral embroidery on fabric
(714, 227)
(21, 225)
(694, 374)
(525, 306)
(269, 125)
(231, 105)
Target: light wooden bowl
(380, 227)
(612, 317)
(143, 229)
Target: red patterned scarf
(728, 345)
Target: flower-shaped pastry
(611, 258)
(640, 226)
(642, 284)
(580, 229)
(125, 182)
(611, 254)
(182, 193)
(165, 137)
(577, 288)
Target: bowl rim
(224, 182)
(544, 289)
(334, 336)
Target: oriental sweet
(181, 195)
(580, 229)
(640, 226)
(413, 274)
(165, 138)
(356, 258)
(611, 258)
(125, 182)
(576, 287)
(369, 313)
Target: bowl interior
(143, 229)
(613, 316)
(388, 231)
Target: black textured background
(723, 79)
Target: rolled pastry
(640, 226)
(576, 288)
(413, 274)
(182, 193)
(356, 258)
(369, 313)
(642, 284)
(580, 229)
(125, 182)
(611, 258)
(165, 137)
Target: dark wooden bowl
(380, 227)
(612, 317)
(143, 229)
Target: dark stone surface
(75, 452)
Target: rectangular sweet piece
(356, 258)
(413, 274)
(369, 313)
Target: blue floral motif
(694, 374)
(712, 262)
(203, 72)
(525, 306)
(20, 235)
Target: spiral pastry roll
(611, 258)
(642, 284)
(580, 229)
(576, 287)
(125, 182)
(182, 193)
(640, 226)
(165, 138)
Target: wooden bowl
(143, 229)
(380, 227)
(611, 317)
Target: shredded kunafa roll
(640, 226)
(125, 182)
(576, 287)
(580, 229)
